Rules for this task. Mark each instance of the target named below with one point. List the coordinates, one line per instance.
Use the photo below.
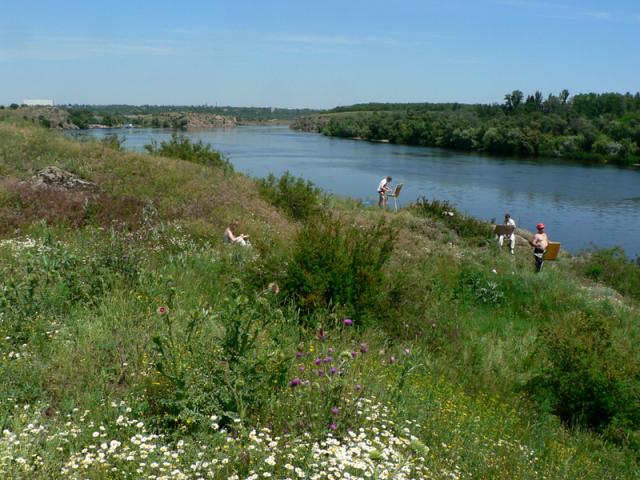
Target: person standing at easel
(539, 242)
(509, 222)
(383, 188)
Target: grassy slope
(88, 341)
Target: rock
(56, 177)
(193, 120)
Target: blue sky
(315, 54)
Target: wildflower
(274, 287)
(392, 359)
(347, 322)
(364, 348)
(295, 382)
(321, 335)
(298, 354)
(407, 351)
(358, 387)
(333, 426)
(301, 368)
(318, 361)
(328, 359)
(333, 370)
(320, 373)
(354, 354)
(335, 410)
(162, 310)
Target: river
(581, 205)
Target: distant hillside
(164, 115)
(49, 117)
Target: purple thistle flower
(328, 359)
(347, 322)
(301, 368)
(320, 373)
(295, 382)
(364, 348)
(333, 370)
(318, 361)
(354, 354)
(298, 354)
(358, 387)
(333, 426)
(335, 410)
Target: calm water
(580, 204)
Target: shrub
(194, 382)
(340, 265)
(113, 141)
(583, 375)
(479, 288)
(612, 267)
(297, 197)
(464, 225)
(184, 149)
(48, 279)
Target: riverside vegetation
(595, 127)
(348, 342)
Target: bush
(340, 265)
(193, 381)
(479, 288)
(297, 197)
(112, 140)
(464, 225)
(612, 267)
(47, 279)
(184, 149)
(584, 375)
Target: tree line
(601, 127)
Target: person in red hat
(539, 242)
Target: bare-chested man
(539, 242)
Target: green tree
(513, 100)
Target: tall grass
(344, 340)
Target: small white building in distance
(32, 102)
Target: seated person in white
(512, 238)
(231, 237)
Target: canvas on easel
(504, 229)
(552, 251)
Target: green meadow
(345, 342)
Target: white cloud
(526, 4)
(340, 40)
(70, 48)
(557, 10)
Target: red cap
(540, 226)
